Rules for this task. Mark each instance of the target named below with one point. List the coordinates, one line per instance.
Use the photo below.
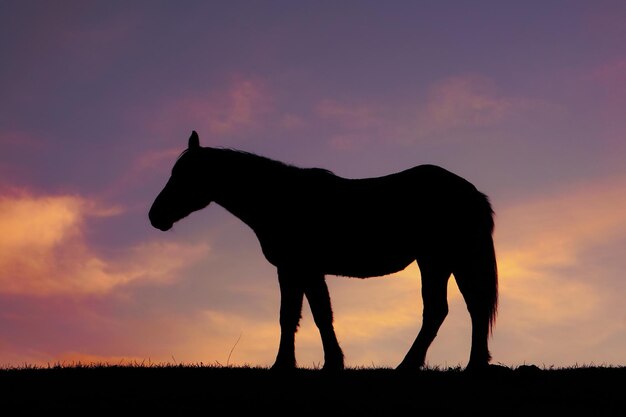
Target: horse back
(366, 227)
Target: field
(223, 391)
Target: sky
(525, 100)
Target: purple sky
(526, 100)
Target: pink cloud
(247, 101)
(239, 108)
(461, 101)
(468, 101)
(351, 116)
(451, 105)
(357, 124)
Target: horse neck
(245, 183)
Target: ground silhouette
(311, 223)
(202, 390)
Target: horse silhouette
(311, 223)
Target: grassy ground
(201, 390)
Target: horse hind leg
(480, 296)
(316, 292)
(434, 295)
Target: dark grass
(138, 389)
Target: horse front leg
(316, 292)
(291, 295)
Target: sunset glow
(524, 100)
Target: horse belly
(357, 238)
(365, 259)
(366, 267)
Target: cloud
(357, 124)
(357, 116)
(473, 102)
(558, 227)
(560, 260)
(354, 125)
(237, 109)
(246, 101)
(43, 250)
(465, 101)
(451, 106)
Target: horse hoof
(408, 368)
(283, 367)
(476, 368)
(333, 367)
(487, 369)
(411, 363)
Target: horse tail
(476, 270)
(485, 259)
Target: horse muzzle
(164, 227)
(159, 223)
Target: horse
(311, 223)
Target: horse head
(182, 194)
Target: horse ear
(194, 140)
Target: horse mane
(258, 161)
(181, 154)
